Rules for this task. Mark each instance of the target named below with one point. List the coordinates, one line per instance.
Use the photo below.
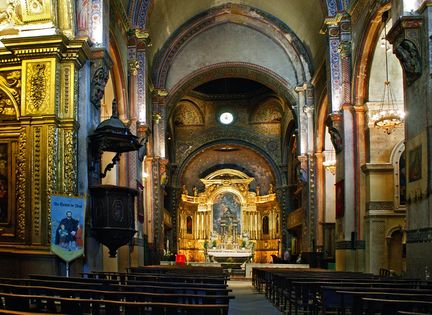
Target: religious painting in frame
(226, 206)
(340, 199)
(67, 227)
(416, 167)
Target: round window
(226, 118)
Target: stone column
(410, 37)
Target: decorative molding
(70, 163)
(52, 156)
(36, 10)
(38, 98)
(380, 205)
(21, 184)
(10, 92)
(36, 183)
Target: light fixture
(389, 115)
(329, 162)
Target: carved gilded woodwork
(52, 170)
(39, 91)
(38, 78)
(36, 182)
(35, 10)
(246, 213)
(67, 82)
(70, 175)
(21, 183)
(10, 90)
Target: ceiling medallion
(226, 118)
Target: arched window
(265, 225)
(189, 225)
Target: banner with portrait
(67, 227)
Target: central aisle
(248, 301)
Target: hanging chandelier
(389, 115)
(329, 161)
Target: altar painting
(226, 207)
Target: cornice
(57, 46)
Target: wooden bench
(331, 299)
(40, 303)
(387, 306)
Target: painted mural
(226, 210)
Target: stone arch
(238, 14)
(227, 70)
(273, 166)
(366, 51)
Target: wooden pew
(391, 307)
(149, 280)
(40, 303)
(332, 300)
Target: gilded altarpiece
(38, 136)
(228, 221)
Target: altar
(230, 255)
(227, 222)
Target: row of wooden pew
(315, 291)
(178, 291)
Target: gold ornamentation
(38, 84)
(70, 163)
(52, 171)
(10, 88)
(36, 181)
(133, 67)
(10, 15)
(36, 10)
(21, 184)
(66, 82)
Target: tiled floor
(248, 301)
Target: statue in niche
(195, 191)
(257, 190)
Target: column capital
(301, 88)
(309, 110)
(139, 37)
(133, 66)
